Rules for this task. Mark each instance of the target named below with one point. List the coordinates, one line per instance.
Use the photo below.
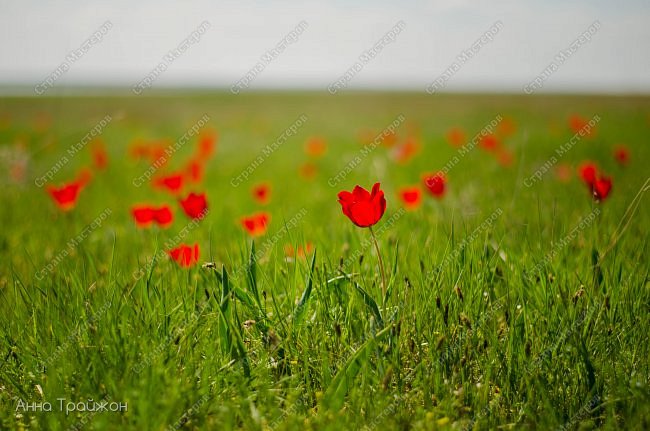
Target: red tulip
(436, 184)
(164, 216)
(388, 139)
(303, 251)
(622, 154)
(316, 147)
(185, 255)
(145, 215)
(588, 171)
(195, 205)
(362, 208)
(138, 149)
(405, 152)
(411, 197)
(308, 170)
(601, 188)
(456, 137)
(365, 210)
(207, 144)
(599, 184)
(506, 127)
(300, 252)
(100, 156)
(256, 224)
(172, 183)
(83, 177)
(489, 143)
(563, 172)
(577, 122)
(262, 193)
(581, 125)
(505, 157)
(194, 171)
(155, 151)
(65, 197)
(158, 153)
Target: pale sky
(37, 36)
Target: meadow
(514, 295)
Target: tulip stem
(381, 265)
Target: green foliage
(525, 322)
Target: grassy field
(515, 300)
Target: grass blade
(301, 307)
(370, 302)
(340, 385)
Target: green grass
(524, 322)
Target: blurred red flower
(308, 170)
(505, 157)
(138, 149)
(411, 197)
(195, 205)
(601, 188)
(622, 154)
(100, 156)
(172, 183)
(316, 147)
(300, 252)
(506, 127)
(489, 143)
(599, 184)
(363, 208)
(563, 172)
(207, 144)
(65, 197)
(256, 224)
(456, 137)
(577, 122)
(581, 125)
(436, 184)
(388, 138)
(83, 177)
(262, 193)
(587, 171)
(403, 153)
(194, 171)
(157, 153)
(164, 216)
(154, 151)
(145, 215)
(185, 255)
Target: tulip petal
(360, 193)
